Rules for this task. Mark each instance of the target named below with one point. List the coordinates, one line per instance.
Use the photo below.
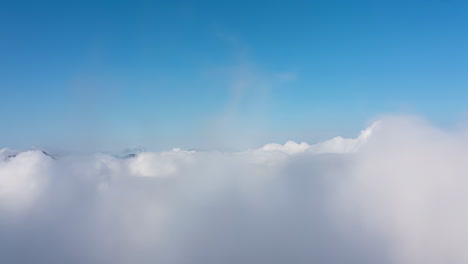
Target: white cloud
(22, 177)
(334, 145)
(409, 184)
(397, 196)
(148, 164)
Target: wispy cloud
(245, 114)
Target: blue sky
(213, 74)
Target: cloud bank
(394, 194)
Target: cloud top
(394, 194)
(334, 145)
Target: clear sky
(218, 74)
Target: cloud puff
(394, 194)
(22, 176)
(409, 184)
(334, 145)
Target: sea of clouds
(397, 194)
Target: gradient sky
(211, 74)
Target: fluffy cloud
(409, 184)
(22, 176)
(394, 194)
(334, 145)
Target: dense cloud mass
(395, 194)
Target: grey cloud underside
(392, 195)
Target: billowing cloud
(394, 194)
(334, 145)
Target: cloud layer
(395, 194)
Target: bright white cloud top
(394, 194)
